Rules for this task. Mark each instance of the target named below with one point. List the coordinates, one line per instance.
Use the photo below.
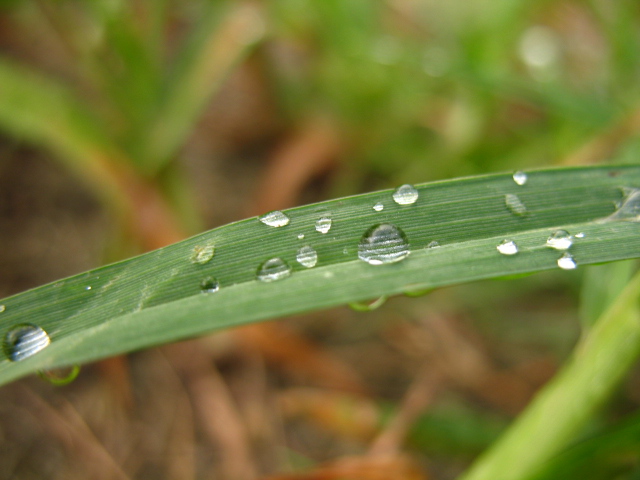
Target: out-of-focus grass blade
(220, 40)
(157, 297)
(41, 111)
(563, 407)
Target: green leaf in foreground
(157, 297)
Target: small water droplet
(209, 285)
(307, 256)
(2, 308)
(60, 376)
(87, 287)
(274, 219)
(378, 207)
(507, 247)
(514, 204)
(629, 208)
(272, 270)
(368, 306)
(560, 240)
(202, 254)
(580, 235)
(383, 243)
(301, 236)
(566, 262)
(323, 225)
(405, 195)
(520, 177)
(433, 244)
(345, 251)
(24, 341)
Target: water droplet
(433, 244)
(520, 177)
(368, 306)
(629, 208)
(24, 341)
(560, 240)
(275, 219)
(307, 256)
(566, 262)
(301, 236)
(209, 285)
(378, 207)
(580, 235)
(405, 195)
(323, 225)
(345, 251)
(507, 247)
(384, 243)
(514, 204)
(2, 308)
(272, 270)
(60, 376)
(202, 254)
(87, 287)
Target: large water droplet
(24, 341)
(507, 247)
(272, 270)
(368, 306)
(275, 219)
(323, 225)
(560, 240)
(307, 256)
(520, 178)
(384, 243)
(514, 204)
(405, 195)
(629, 208)
(209, 285)
(378, 207)
(566, 262)
(202, 254)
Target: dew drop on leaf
(2, 308)
(24, 341)
(272, 270)
(507, 247)
(307, 256)
(301, 236)
(60, 376)
(323, 225)
(202, 254)
(378, 207)
(433, 244)
(383, 243)
(580, 235)
(514, 204)
(405, 195)
(209, 285)
(274, 219)
(566, 262)
(368, 306)
(560, 240)
(629, 207)
(520, 177)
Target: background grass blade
(157, 298)
(600, 361)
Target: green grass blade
(156, 297)
(220, 40)
(563, 407)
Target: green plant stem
(565, 405)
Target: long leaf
(157, 297)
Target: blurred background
(129, 125)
